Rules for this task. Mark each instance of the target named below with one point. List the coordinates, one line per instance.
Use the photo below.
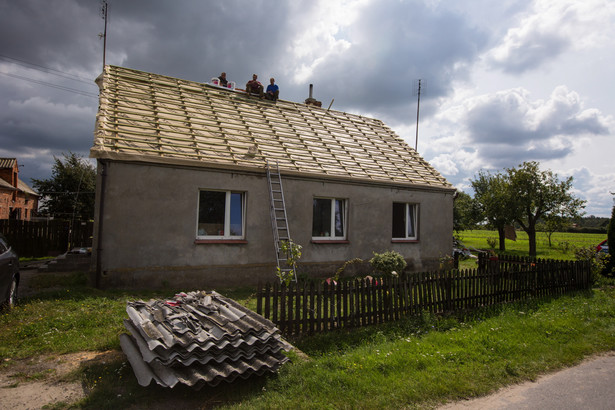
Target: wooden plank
(312, 317)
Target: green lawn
(414, 363)
(562, 243)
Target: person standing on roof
(223, 80)
(273, 91)
(254, 87)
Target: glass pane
(411, 221)
(399, 220)
(236, 214)
(211, 213)
(321, 220)
(339, 218)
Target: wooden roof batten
(153, 118)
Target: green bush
(597, 260)
(388, 262)
(565, 246)
(491, 241)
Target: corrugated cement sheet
(199, 338)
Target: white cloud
(549, 29)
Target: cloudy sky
(502, 82)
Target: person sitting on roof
(273, 91)
(254, 86)
(223, 80)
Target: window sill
(404, 240)
(330, 241)
(220, 241)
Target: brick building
(17, 199)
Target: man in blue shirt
(273, 91)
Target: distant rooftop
(154, 118)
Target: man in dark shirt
(254, 87)
(223, 80)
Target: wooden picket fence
(46, 238)
(308, 307)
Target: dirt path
(45, 380)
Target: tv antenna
(103, 12)
(418, 105)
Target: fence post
(259, 300)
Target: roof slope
(149, 117)
(7, 162)
(25, 187)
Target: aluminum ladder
(279, 221)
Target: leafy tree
(466, 212)
(553, 223)
(491, 192)
(69, 193)
(534, 194)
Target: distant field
(562, 243)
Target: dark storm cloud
(61, 34)
(392, 45)
(196, 40)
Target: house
(17, 199)
(183, 197)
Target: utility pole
(418, 104)
(104, 35)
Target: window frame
(227, 217)
(344, 214)
(411, 209)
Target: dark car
(9, 274)
(603, 246)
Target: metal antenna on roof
(103, 13)
(418, 104)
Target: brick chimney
(312, 101)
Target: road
(589, 385)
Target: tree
(553, 223)
(536, 194)
(69, 193)
(466, 212)
(491, 192)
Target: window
(329, 218)
(404, 221)
(221, 215)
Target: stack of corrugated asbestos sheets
(199, 338)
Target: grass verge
(414, 363)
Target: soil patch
(46, 380)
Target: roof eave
(225, 167)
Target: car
(460, 250)
(603, 246)
(9, 274)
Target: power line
(59, 87)
(48, 70)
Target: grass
(413, 363)
(562, 243)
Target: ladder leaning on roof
(279, 222)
